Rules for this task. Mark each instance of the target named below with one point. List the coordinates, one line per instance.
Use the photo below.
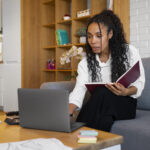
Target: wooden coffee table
(13, 133)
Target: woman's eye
(89, 36)
(99, 36)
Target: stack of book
(62, 37)
(87, 136)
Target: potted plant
(81, 32)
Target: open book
(126, 79)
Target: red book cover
(126, 79)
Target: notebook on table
(45, 109)
(126, 79)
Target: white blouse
(77, 95)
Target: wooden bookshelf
(61, 7)
(49, 18)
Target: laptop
(45, 109)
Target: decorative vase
(82, 39)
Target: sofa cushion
(144, 99)
(136, 132)
(66, 85)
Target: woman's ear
(110, 35)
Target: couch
(136, 132)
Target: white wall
(10, 70)
(140, 26)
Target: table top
(13, 133)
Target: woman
(108, 57)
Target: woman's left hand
(117, 89)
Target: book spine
(57, 38)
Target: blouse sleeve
(140, 82)
(77, 95)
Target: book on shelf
(87, 136)
(58, 38)
(130, 76)
(62, 37)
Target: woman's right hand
(72, 108)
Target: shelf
(63, 7)
(67, 45)
(69, 21)
(49, 47)
(69, 70)
(80, 44)
(54, 70)
(51, 70)
(49, 25)
(70, 45)
(83, 18)
(47, 2)
(48, 18)
(53, 12)
(74, 70)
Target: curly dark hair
(118, 46)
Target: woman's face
(99, 41)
